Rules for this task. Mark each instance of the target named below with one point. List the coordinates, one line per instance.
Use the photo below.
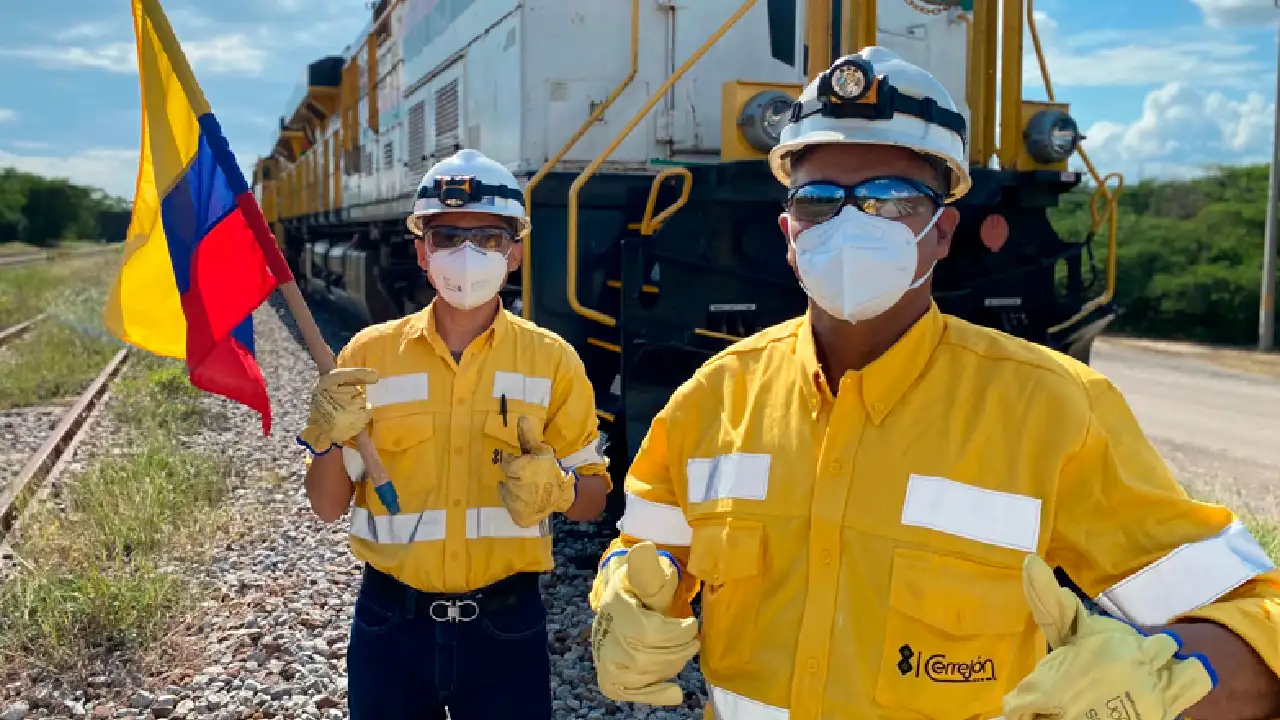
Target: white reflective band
(986, 516)
(588, 455)
(1190, 577)
(496, 522)
(399, 529)
(515, 386)
(736, 475)
(658, 523)
(732, 706)
(354, 464)
(398, 389)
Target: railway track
(13, 333)
(55, 451)
(18, 259)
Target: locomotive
(639, 130)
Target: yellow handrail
(526, 272)
(571, 282)
(1101, 192)
(650, 224)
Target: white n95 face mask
(856, 266)
(466, 276)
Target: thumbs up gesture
(535, 485)
(1099, 666)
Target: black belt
(451, 607)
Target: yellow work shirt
(859, 554)
(440, 429)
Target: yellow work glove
(339, 408)
(1100, 667)
(638, 649)
(535, 485)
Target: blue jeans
(407, 661)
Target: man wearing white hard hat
(486, 425)
(871, 497)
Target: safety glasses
(446, 237)
(887, 197)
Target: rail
(1102, 193)
(571, 282)
(650, 224)
(526, 271)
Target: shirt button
(835, 467)
(457, 449)
(453, 555)
(457, 503)
(879, 407)
(462, 401)
(813, 665)
(826, 557)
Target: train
(639, 131)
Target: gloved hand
(635, 645)
(1100, 667)
(535, 485)
(339, 408)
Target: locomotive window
(782, 30)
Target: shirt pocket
(727, 555)
(952, 634)
(406, 450)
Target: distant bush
(1189, 258)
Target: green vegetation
(1267, 531)
(96, 577)
(44, 212)
(1189, 256)
(60, 355)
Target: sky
(1161, 88)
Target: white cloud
(8, 115)
(112, 169)
(1182, 130)
(1223, 13)
(1099, 58)
(85, 31)
(224, 54)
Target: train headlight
(1051, 136)
(763, 117)
(851, 78)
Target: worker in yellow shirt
(486, 425)
(873, 498)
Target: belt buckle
(453, 610)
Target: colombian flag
(199, 258)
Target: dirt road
(1218, 428)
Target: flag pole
(320, 351)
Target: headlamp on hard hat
(849, 80)
(1051, 136)
(850, 89)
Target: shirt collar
(423, 324)
(888, 378)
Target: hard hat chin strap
(457, 190)
(882, 104)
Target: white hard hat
(468, 181)
(874, 97)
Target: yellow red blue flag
(199, 258)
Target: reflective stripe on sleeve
(732, 706)
(588, 455)
(1190, 577)
(399, 529)
(354, 464)
(658, 523)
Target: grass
(22, 248)
(58, 357)
(26, 290)
(1267, 533)
(98, 577)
